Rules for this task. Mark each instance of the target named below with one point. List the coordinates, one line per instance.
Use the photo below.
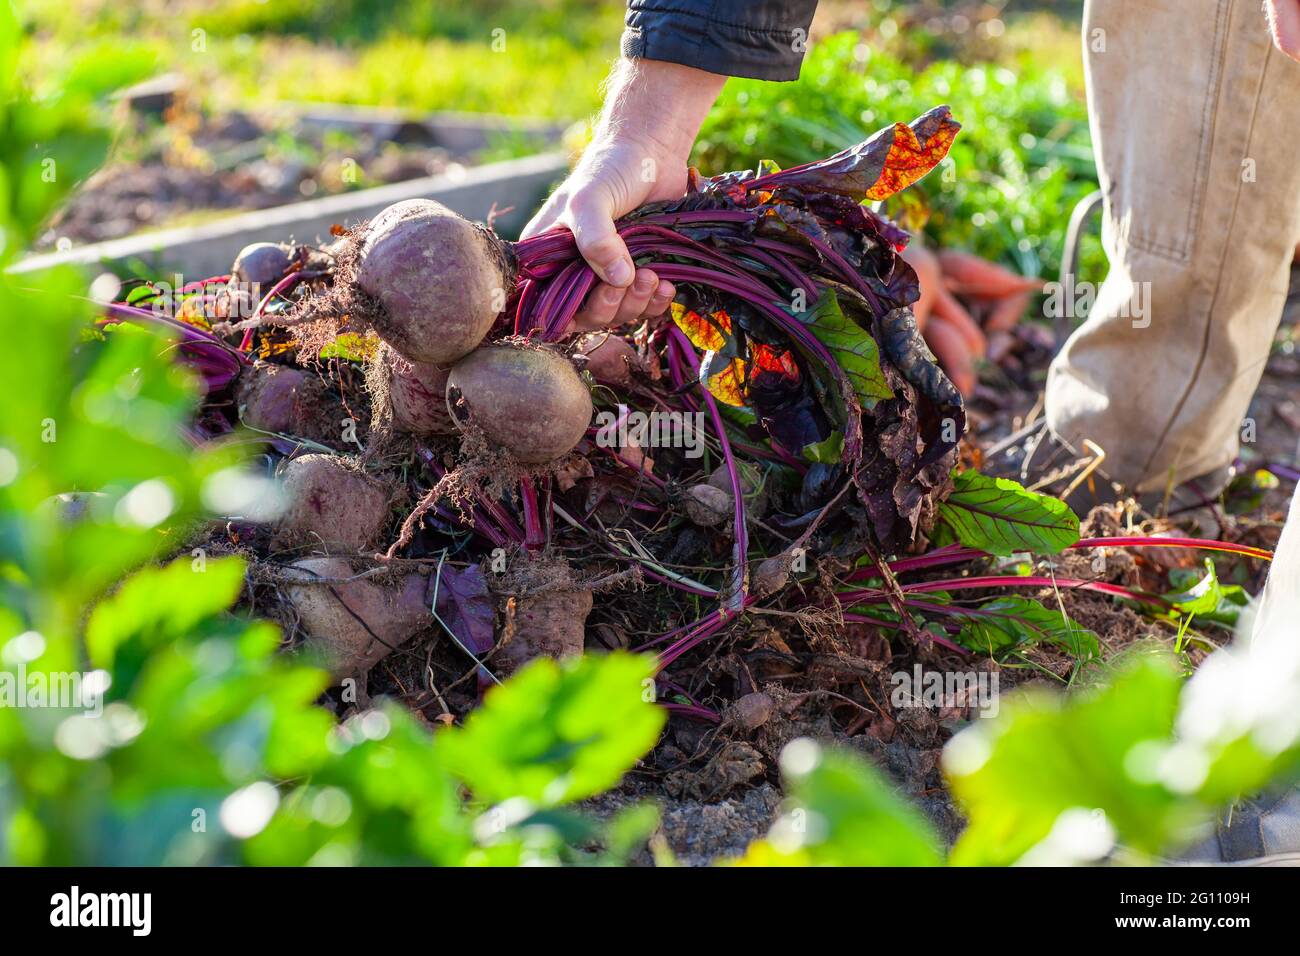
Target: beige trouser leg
(1196, 125)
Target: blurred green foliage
(840, 812)
(1125, 771)
(1021, 162)
(195, 741)
(141, 722)
(544, 58)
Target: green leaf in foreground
(999, 516)
(1064, 778)
(828, 452)
(1205, 596)
(1003, 623)
(556, 732)
(161, 603)
(842, 812)
(853, 347)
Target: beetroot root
(285, 400)
(414, 394)
(610, 360)
(708, 506)
(263, 264)
(354, 624)
(441, 280)
(331, 505)
(552, 623)
(530, 401)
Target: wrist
(658, 105)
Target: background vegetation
(211, 749)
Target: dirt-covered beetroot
(263, 264)
(289, 401)
(441, 279)
(751, 711)
(354, 624)
(528, 400)
(331, 505)
(708, 506)
(413, 395)
(552, 623)
(610, 360)
(771, 574)
(751, 481)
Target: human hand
(638, 154)
(963, 298)
(1284, 22)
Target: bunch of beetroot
(792, 314)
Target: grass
(543, 59)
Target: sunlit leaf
(709, 333)
(351, 347)
(724, 378)
(840, 811)
(557, 732)
(999, 516)
(1003, 623)
(1201, 594)
(854, 349)
(889, 161)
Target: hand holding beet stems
(638, 154)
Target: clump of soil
(543, 610)
(188, 164)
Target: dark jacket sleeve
(762, 39)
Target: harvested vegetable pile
(470, 481)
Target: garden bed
(176, 165)
(781, 672)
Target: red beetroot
(332, 505)
(441, 280)
(354, 624)
(288, 401)
(610, 360)
(414, 395)
(525, 399)
(262, 264)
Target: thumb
(546, 217)
(1284, 18)
(600, 244)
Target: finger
(660, 301)
(600, 244)
(924, 305)
(599, 309)
(637, 298)
(969, 274)
(546, 217)
(947, 308)
(1007, 313)
(1285, 20)
(950, 349)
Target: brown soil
(197, 164)
(773, 676)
